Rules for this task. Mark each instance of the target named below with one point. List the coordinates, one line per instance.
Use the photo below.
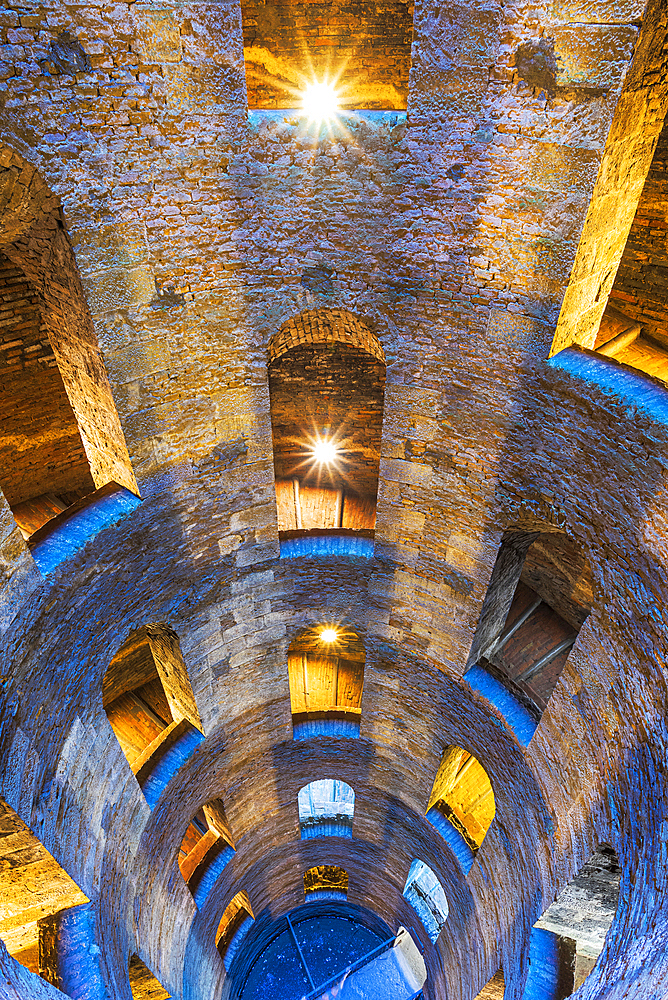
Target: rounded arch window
(326, 809)
(326, 389)
(427, 897)
(325, 882)
(326, 674)
(462, 804)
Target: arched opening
(538, 598)
(149, 702)
(34, 887)
(326, 674)
(634, 328)
(426, 895)
(63, 444)
(143, 983)
(234, 924)
(43, 463)
(631, 142)
(363, 51)
(325, 882)
(569, 937)
(207, 847)
(462, 797)
(326, 809)
(326, 386)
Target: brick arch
(25, 198)
(325, 326)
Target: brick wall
(364, 46)
(41, 449)
(332, 390)
(641, 286)
(558, 570)
(132, 666)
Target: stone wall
(453, 235)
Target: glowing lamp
(320, 101)
(329, 635)
(325, 452)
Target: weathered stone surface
(451, 235)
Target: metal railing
(378, 950)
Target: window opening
(326, 674)
(326, 809)
(206, 849)
(634, 325)
(356, 57)
(462, 797)
(581, 917)
(538, 598)
(235, 923)
(326, 386)
(143, 983)
(151, 708)
(54, 396)
(325, 882)
(634, 328)
(34, 887)
(426, 895)
(43, 463)
(628, 158)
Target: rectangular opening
(363, 49)
(33, 886)
(206, 849)
(143, 983)
(43, 465)
(634, 327)
(146, 691)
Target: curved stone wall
(193, 229)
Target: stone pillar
(68, 954)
